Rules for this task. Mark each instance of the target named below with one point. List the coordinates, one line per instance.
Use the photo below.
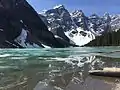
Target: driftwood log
(107, 72)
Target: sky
(87, 6)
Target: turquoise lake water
(57, 69)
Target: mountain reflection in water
(57, 69)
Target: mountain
(79, 29)
(22, 27)
(64, 25)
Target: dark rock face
(44, 19)
(9, 27)
(60, 33)
(107, 39)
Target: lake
(57, 69)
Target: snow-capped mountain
(68, 26)
(78, 29)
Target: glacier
(79, 39)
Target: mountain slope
(78, 28)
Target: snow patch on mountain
(58, 6)
(80, 37)
(45, 46)
(21, 39)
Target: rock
(59, 31)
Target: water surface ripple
(57, 69)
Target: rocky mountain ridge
(79, 28)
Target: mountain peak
(106, 14)
(59, 6)
(94, 16)
(107, 17)
(78, 13)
